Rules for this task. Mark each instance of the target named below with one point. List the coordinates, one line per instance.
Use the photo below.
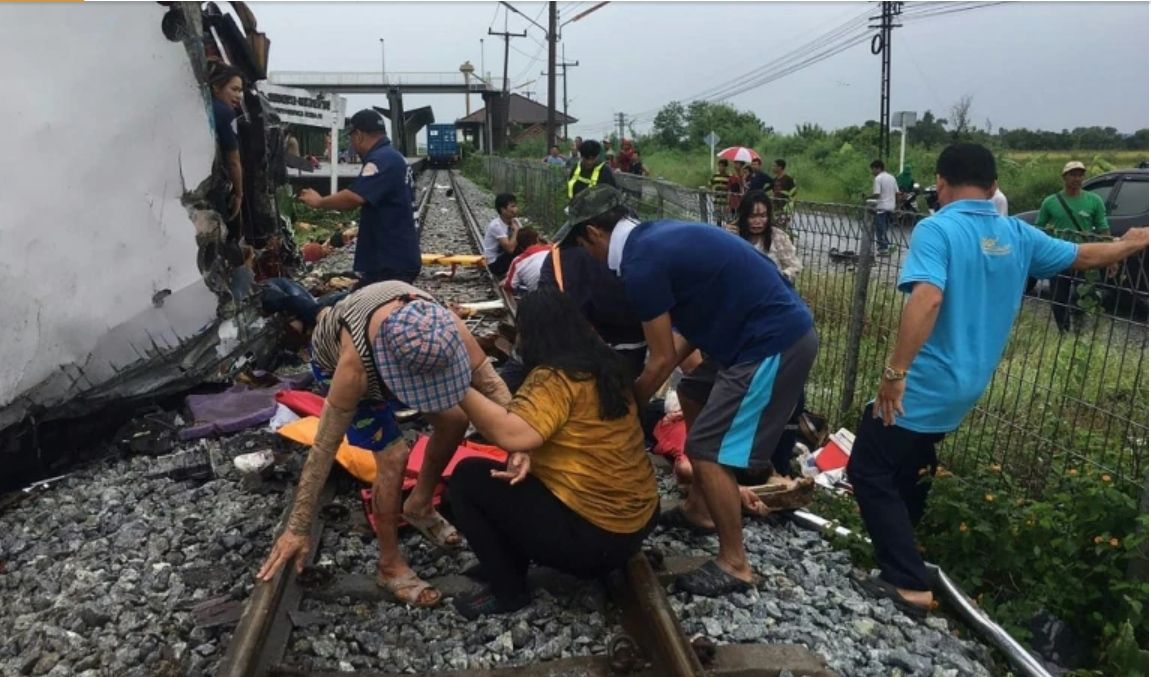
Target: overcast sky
(1026, 64)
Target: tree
(929, 132)
(961, 118)
(734, 127)
(670, 125)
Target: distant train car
(443, 149)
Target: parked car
(1124, 192)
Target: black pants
(890, 470)
(385, 275)
(1064, 298)
(508, 527)
(500, 266)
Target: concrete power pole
(507, 89)
(564, 66)
(621, 120)
(551, 129)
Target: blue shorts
(374, 424)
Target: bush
(1067, 553)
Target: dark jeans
(882, 223)
(508, 527)
(500, 266)
(885, 473)
(1064, 298)
(385, 275)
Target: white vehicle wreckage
(119, 280)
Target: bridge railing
(1058, 400)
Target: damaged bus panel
(122, 277)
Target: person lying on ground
(578, 493)
(387, 345)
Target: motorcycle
(931, 196)
(907, 209)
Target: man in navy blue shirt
(388, 245)
(693, 286)
(965, 272)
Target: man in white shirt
(524, 276)
(883, 191)
(500, 243)
(1000, 202)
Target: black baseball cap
(370, 121)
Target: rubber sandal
(436, 529)
(881, 589)
(482, 601)
(710, 580)
(408, 589)
(676, 518)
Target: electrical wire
(494, 17)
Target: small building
(524, 116)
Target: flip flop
(710, 580)
(676, 518)
(407, 589)
(879, 588)
(436, 529)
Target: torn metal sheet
(112, 260)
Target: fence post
(858, 311)
(704, 203)
(1137, 567)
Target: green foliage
(318, 224)
(676, 127)
(669, 128)
(1068, 553)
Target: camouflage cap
(585, 206)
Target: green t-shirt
(1088, 208)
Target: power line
(494, 16)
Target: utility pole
(552, 18)
(881, 45)
(507, 90)
(564, 66)
(621, 120)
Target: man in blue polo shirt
(726, 299)
(388, 245)
(965, 272)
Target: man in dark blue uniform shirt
(388, 245)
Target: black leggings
(508, 527)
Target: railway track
(631, 626)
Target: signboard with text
(301, 107)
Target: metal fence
(1058, 400)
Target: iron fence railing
(1059, 399)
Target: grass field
(843, 176)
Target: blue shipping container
(443, 148)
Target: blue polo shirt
(981, 261)
(723, 296)
(387, 240)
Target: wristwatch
(892, 374)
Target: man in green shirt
(1071, 214)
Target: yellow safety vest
(577, 178)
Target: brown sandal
(408, 589)
(437, 530)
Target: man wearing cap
(387, 343)
(388, 245)
(696, 286)
(965, 272)
(1071, 214)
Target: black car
(1124, 192)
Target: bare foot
(697, 513)
(743, 572)
(923, 598)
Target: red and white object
(738, 154)
(835, 454)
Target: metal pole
(483, 68)
(383, 64)
(902, 143)
(565, 61)
(551, 128)
(335, 164)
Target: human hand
(309, 197)
(234, 205)
(889, 401)
(288, 546)
(1136, 237)
(518, 466)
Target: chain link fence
(1059, 399)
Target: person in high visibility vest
(590, 171)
